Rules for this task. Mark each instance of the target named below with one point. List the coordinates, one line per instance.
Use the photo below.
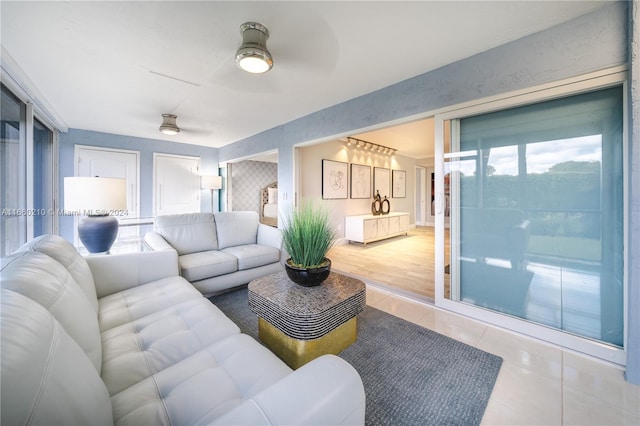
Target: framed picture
(381, 180)
(334, 180)
(399, 183)
(360, 181)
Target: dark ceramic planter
(308, 277)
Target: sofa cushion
(47, 379)
(208, 383)
(136, 350)
(66, 254)
(253, 255)
(137, 302)
(45, 281)
(206, 264)
(236, 228)
(189, 232)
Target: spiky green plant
(308, 235)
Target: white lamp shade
(211, 182)
(94, 195)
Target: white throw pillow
(273, 195)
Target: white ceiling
(117, 66)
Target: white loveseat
(122, 339)
(219, 251)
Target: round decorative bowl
(308, 277)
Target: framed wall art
(360, 181)
(334, 180)
(399, 183)
(381, 180)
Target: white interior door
(176, 184)
(103, 162)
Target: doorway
(246, 182)
(402, 263)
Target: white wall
(310, 162)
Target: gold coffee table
(301, 323)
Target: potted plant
(307, 237)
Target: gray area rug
(411, 375)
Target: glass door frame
(581, 84)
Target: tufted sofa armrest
(336, 397)
(156, 241)
(133, 269)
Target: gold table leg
(295, 353)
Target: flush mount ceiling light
(169, 126)
(253, 55)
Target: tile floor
(539, 383)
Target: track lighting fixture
(169, 126)
(370, 146)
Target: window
(13, 195)
(27, 193)
(538, 214)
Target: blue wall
(589, 43)
(146, 147)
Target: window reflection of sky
(541, 156)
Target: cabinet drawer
(383, 227)
(370, 229)
(394, 225)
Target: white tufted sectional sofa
(122, 339)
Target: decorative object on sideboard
(98, 199)
(383, 209)
(376, 207)
(211, 183)
(253, 55)
(307, 236)
(380, 206)
(169, 126)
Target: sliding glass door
(13, 224)
(535, 195)
(28, 174)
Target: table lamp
(211, 183)
(96, 198)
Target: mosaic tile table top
(306, 313)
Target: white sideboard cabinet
(367, 227)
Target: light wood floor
(404, 262)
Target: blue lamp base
(98, 233)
